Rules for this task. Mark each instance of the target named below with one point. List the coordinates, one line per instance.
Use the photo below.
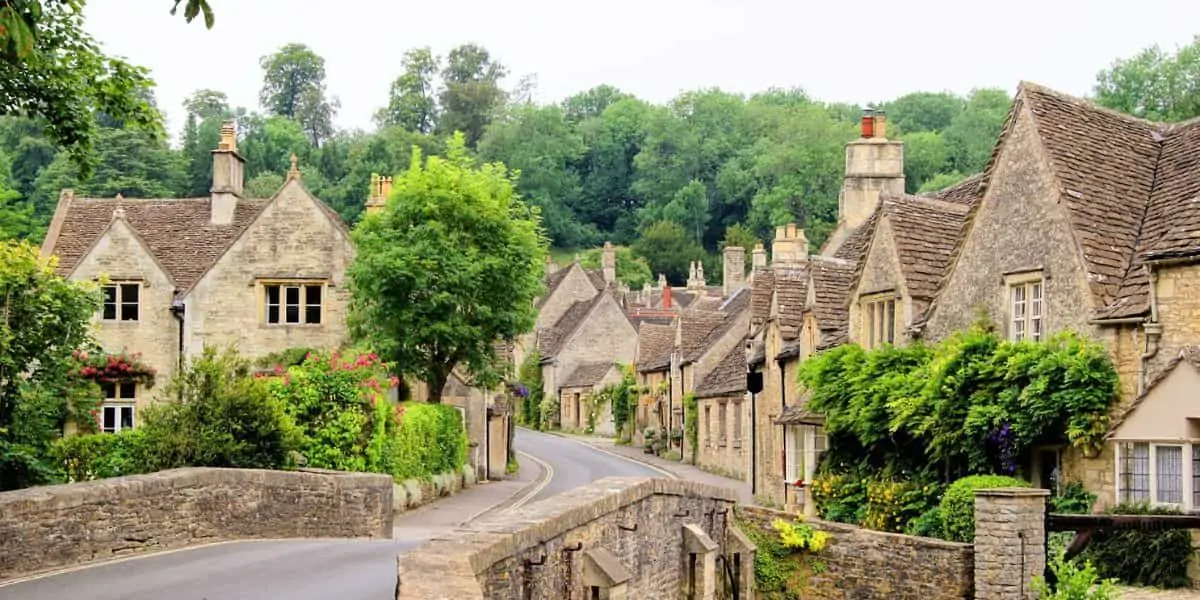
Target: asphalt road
(301, 569)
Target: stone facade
(723, 436)
(658, 531)
(861, 564)
(59, 526)
(1010, 550)
(604, 334)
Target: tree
(668, 249)
(1153, 84)
(972, 134)
(46, 320)
(738, 235)
(412, 103)
(592, 103)
(471, 94)
(193, 8)
(450, 265)
(51, 68)
(925, 155)
(294, 87)
(924, 111)
(632, 270)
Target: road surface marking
(547, 475)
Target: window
(803, 447)
(879, 321)
(116, 412)
(737, 424)
(120, 302)
(1026, 309)
(708, 426)
(1154, 473)
(293, 304)
(721, 414)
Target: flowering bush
(113, 368)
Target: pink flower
(278, 369)
(287, 380)
(394, 381)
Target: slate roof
(926, 232)
(831, 281)
(587, 375)
(728, 378)
(762, 288)
(857, 242)
(791, 293)
(551, 339)
(795, 414)
(655, 345)
(732, 308)
(1188, 354)
(695, 329)
(556, 278)
(178, 232)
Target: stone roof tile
(831, 291)
(587, 374)
(791, 293)
(926, 232)
(655, 345)
(728, 377)
(761, 290)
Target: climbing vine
(529, 389)
(691, 422)
(786, 555)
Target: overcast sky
(839, 51)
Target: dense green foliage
(958, 504)
(973, 404)
(632, 270)
(691, 423)
(1074, 581)
(529, 390)
(786, 554)
(449, 266)
(1149, 558)
(46, 321)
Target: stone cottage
(263, 275)
(580, 389)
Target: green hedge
(430, 440)
(1146, 558)
(958, 505)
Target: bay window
(1155, 473)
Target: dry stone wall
(51, 527)
(861, 564)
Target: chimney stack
(608, 262)
(874, 168)
(880, 125)
(790, 248)
(381, 188)
(551, 267)
(758, 258)
(734, 269)
(867, 129)
(666, 294)
(228, 172)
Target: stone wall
(725, 452)
(631, 538)
(51, 527)
(1010, 549)
(862, 564)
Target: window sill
(111, 322)
(737, 444)
(290, 325)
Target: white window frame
(804, 445)
(737, 423)
(1189, 452)
(722, 422)
(116, 399)
(120, 301)
(302, 305)
(1025, 306)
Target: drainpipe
(783, 428)
(487, 444)
(1152, 328)
(177, 311)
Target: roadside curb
(645, 463)
(542, 479)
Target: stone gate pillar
(1010, 542)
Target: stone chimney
(608, 263)
(381, 188)
(758, 258)
(695, 275)
(666, 294)
(662, 281)
(734, 269)
(790, 248)
(551, 266)
(228, 171)
(874, 166)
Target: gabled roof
(551, 339)
(694, 329)
(728, 378)
(178, 232)
(1189, 355)
(791, 292)
(732, 309)
(761, 290)
(858, 241)
(925, 232)
(556, 278)
(587, 374)
(655, 345)
(831, 290)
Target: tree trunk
(436, 384)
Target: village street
(322, 569)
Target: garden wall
(44, 528)
(414, 493)
(861, 564)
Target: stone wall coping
(70, 495)
(1013, 492)
(832, 527)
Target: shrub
(1147, 558)
(1075, 582)
(430, 440)
(891, 505)
(223, 417)
(100, 455)
(841, 498)
(958, 505)
(929, 524)
(1072, 498)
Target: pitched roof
(831, 290)
(732, 309)
(761, 290)
(178, 232)
(655, 345)
(551, 339)
(695, 328)
(556, 278)
(926, 232)
(797, 414)
(587, 374)
(966, 192)
(791, 292)
(727, 378)
(857, 242)
(1188, 354)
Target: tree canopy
(447, 268)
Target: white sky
(858, 51)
